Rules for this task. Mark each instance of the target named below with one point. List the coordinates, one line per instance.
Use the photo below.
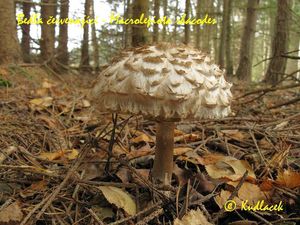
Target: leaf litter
(55, 151)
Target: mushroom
(165, 83)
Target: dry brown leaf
(65, 154)
(232, 169)
(214, 158)
(47, 84)
(191, 156)
(119, 198)
(266, 185)
(248, 191)
(11, 215)
(40, 103)
(142, 138)
(178, 132)
(234, 134)
(187, 138)
(119, 150)
(33, 189)
(181, 150)
(50, 122)
(193, 217)
(265, 144)
(222, 198)
(288, 178)
(140, 153)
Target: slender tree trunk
(47, 42)
(155, 26)
(175, 24)
(229, 63)
(293, 65)
(140, 32)
(165, 8)
(62, 50)
(187, 26)
(246, 51)
(95, 42)
(207, 31)
(221, 57)
(277, 64)
(216, 32)
(85, 57)
(198, 15)
(25, 41)
(127, 29)
(10, 51)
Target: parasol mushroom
(165, 83)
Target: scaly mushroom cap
(163, 81)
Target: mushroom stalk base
(163, 162)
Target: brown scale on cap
(164, 81)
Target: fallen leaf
(266, 185)
(265, 144)
(232, 169)
(288, 178)
(119, 198)
(234, 134)
(222, 198)
(11, 215)
(187, 138)
(142, 138)
(103, 212)
(248, 191)
(181, 150)
(193, 217)
(33, 189)
(66, 154)
(40, 103)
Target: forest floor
(56, 166)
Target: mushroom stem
(163, 162)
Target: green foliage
(4, 83)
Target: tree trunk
(47, 42)
(127, 29)
(207, 31)
(95, 42)
(187, 26)
(221, 57)
(246, 52)
(292, 64)
(165, 7)
(85, 58)
(175, 24)
(229, 63)
(10, 51)
(216, 31)
(277, 64)
(198, 15)
(156, 17)
(62, 50)
(140, 32)
(25, 41)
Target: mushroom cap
(165, 82)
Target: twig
(64, 182)
(292, 101)
(233, 194)
(95, 217)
